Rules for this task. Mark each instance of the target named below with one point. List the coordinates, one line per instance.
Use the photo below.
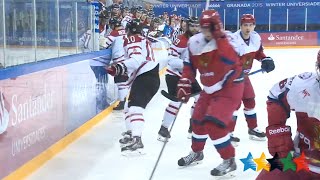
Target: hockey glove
(279, 140)
(184, 89)
(117, 69)
(217, 27)
(267, 64)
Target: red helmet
(248, 18)
(206, 17)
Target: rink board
(47, 105)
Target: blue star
(249, 163)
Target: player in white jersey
(144, 80)
(115, 41)
(301, 94)
(178, 53)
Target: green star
(288, 163)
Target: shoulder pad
(305, 75)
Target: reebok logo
(279, 130)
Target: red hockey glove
(217, 27)
(117, 69)
(184, 89)
(279, 140)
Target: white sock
(123, 91)
(170, 114)
(136, 120)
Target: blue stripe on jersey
(199, 140)
(252, 116)
(228, 77)
(223, 145)
(227, 61)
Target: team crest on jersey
(204, 60)
(305, 93)
(305, 75)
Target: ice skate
(256, 135)
(120, 106)
(234, 140)
(192, 158)
(164, 134)
(133, 147)
(126, 137)
(225, 169)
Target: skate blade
(136, 153)
(162, 139)
(191, 165)
(229, 175)
(255, 138)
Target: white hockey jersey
(301, 94)
(241, 47)
(115, 41)
(177, 54)
(139, 56)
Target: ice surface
(96, 155)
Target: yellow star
(262, 163)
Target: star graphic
(275, 163)
(248, 163)
(262, 163)
(288, 163)
(301, 162)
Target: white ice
(96, 155)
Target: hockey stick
(173, 98)
(163, 146)
(255, 72)
(207, 4)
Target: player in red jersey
(249, 47)
(221, 75)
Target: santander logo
(271, 37)
(4, 115)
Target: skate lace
(190, 157)
(223, 166)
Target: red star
(301, 163)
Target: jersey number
(283, 83)
(131, 39)
(176, 42)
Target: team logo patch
(204, 60)
(306, 75)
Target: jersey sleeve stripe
(226, 60)
(134, 53)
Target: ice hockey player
(178, 53)
(144, 80)
(300, 94)
(115, 41)
(221, 75)
(249, 47)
